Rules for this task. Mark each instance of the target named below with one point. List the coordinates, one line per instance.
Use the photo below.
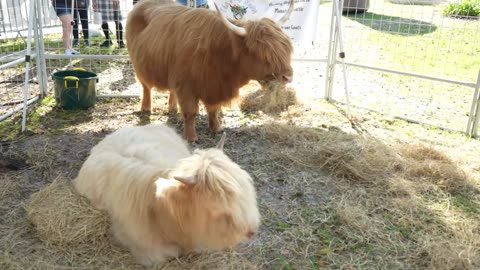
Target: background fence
(432, 62)
(403, 59)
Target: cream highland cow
(165, 201)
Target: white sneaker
(70, 52)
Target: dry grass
(391, 205)
(63, 218)
(273, 98)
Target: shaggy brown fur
(193, 53)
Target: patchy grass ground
(379, 194)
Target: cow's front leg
(189, 107)
(214, 122)
(146, 99)
(172, 102)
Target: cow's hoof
(147, 110)
(216, 129)
(215, 126)
(172, 109)
(191, 139)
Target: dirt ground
(331, 192)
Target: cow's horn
(237, 29)
(222, 141)
(286, 16)
(190, 180)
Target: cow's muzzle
(287, 79)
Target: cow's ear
(189, 181)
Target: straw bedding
(64, 218)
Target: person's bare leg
(67, 30)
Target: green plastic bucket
(75, 89)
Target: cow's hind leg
(146, 99)
(189, 107)
(214, 122)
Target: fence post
(332, 52)
(28, 60)
(40, 51)
(474, 117)
(36, 38)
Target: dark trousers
(82, 13)
(118, 27)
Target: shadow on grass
(393, 25)
(370, 205)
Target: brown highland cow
(199, 55)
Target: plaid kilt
(108, 12)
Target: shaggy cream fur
(165, 201)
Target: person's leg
(119, 30)
(66, 20)
(83, 14)
(108, 41)
(64, 13)
(75, 27)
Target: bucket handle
(71, 78)
(82, 69)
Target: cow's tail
(140, 16)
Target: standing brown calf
(199, 55)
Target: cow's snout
(287, 79)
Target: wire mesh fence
(109, 62)
(13, 69)
(433, 59)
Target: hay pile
(364, 159)
(273, 98)
(64, 218)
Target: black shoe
(106, 43)
(121, 44)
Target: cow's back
(127, 158)
(182, 49)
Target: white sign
(301, 26)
